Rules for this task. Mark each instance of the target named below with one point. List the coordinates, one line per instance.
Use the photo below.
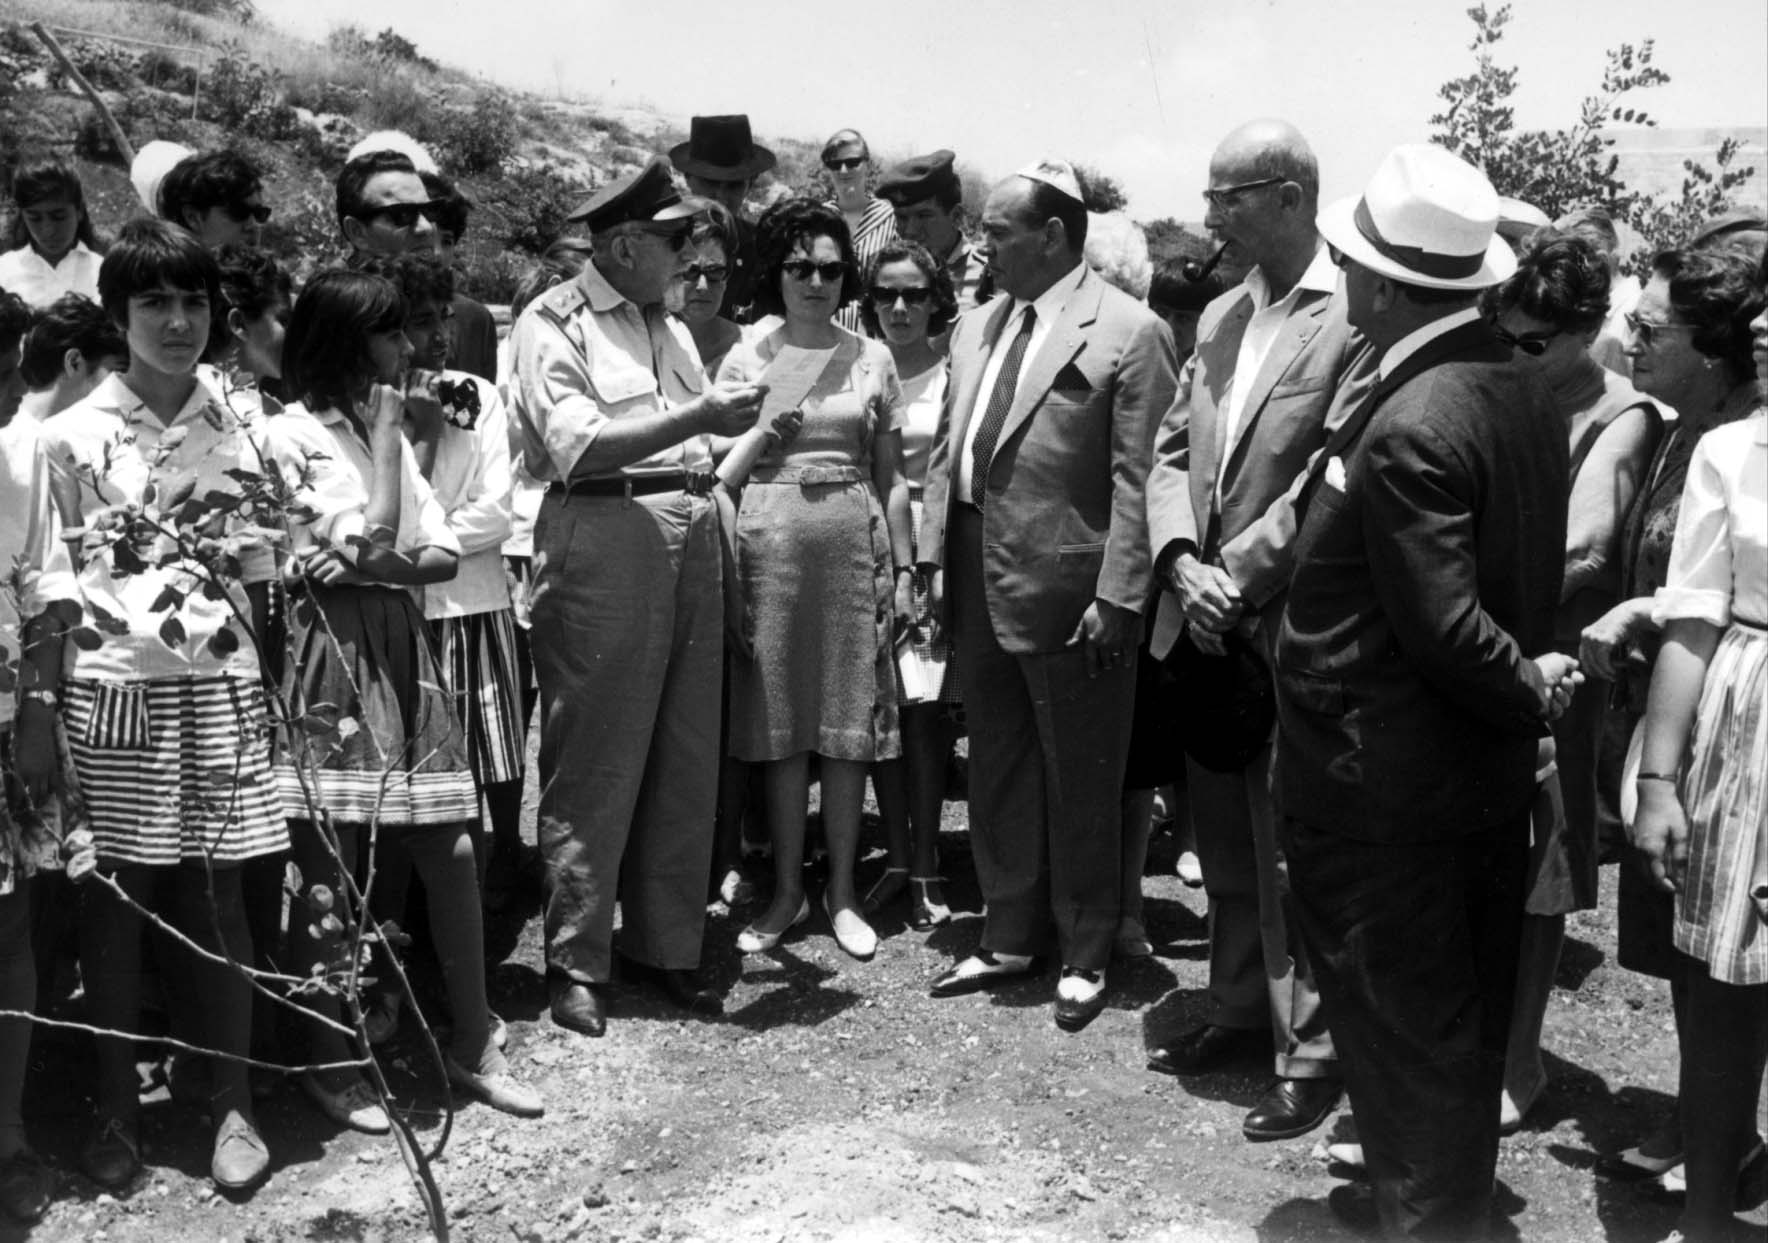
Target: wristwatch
(40, 695)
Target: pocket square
(1072, 379)
(1335, 474)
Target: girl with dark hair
(71, 347)
(908, 301)
(165, 719)
(358, 641)
(249, 324)
(1549, 312)
(823, 523)
(51, 247)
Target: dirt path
(836, 1101)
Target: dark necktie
(999, 402)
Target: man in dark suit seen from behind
(1427, 568)
(1277, 367)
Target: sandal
(927, 907)
(884, 890)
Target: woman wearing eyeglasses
(703, 283)
(1689, 340)
(822, 526)
(908, 301)
(1549, 312)
(870, 221)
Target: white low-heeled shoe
(752, 940)
(861, 942)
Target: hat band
(1415, 258)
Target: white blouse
(922, 397)
(1719, 560)
(27, 274)
(472, 480)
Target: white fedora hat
(1427, 218)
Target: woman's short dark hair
(15, 320)
(149, 255)
(72, 322)
(1715, 288)
(419, 275)
(1561, 279)
(714, 222)
(200, 182)
(252, 282)
(560, 262)
(39, 180)
(325, 354)
(784, 226)
(945, 302)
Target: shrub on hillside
(395, 48)
(526, 210)
(105, 65)
(396, 102)
(245, 96)
(480, 140)
(166, 73)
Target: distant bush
(395, 48)
(166, 73)
(245, 96)
(105, 65)
(479, 141)
(531, 202)
(394, 101)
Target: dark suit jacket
(1407, 703)
(1318, 369)
(472, 345)
(1065, 520)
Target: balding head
(1268, 148)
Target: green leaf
(172, 632)
(86, 639)
(224, 642)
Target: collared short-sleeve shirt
(110, 451)
(328, 467)
(32, 556)
(1719, 561)
(582, 356)
(473, 483)
(39, 282)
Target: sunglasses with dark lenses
(1534, 344)
(404, 215)
(801, 270)
(887, 297)
(712, 273)
(239, 213)
(845, 166)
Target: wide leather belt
(807, 475)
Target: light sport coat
(1064, 519)
(1316, 372)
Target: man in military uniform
(627, 606)
(929, 203)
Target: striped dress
(877, 228)
(1719, 575)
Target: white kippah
(395, 140)
(1054, 172)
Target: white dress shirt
(27, 274)
(1049, 304)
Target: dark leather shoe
(579, 1007)
(982, 970)
(1207, 1047)
(686, 988)
(1354, 1206)
(1292, 1107)
(1080, 996)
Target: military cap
(919, 178)
(648, 194)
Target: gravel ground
(837, 1101)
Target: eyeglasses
(711, 273)
(404, 215)
(1647, 329)
(801, 270)
(845, 166)
(239, 213)
(1534, 344)
(1225, 196)
(917, 296)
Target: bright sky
(1141, 89)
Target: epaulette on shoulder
(561, 302)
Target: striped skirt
(378, 739)
(478, 655)
(174, 769)
(1722, 910)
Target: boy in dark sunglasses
(218, 197)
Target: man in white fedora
(1409, 710)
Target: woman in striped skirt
(163, 702)
(1702, 819)
(908, 299)
(394, 759)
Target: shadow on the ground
(1577, 960)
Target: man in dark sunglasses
(383, 207)
(218, 197)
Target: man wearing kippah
(929, 203)
(1427, 572)
(1034, 533)
(627, 606)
